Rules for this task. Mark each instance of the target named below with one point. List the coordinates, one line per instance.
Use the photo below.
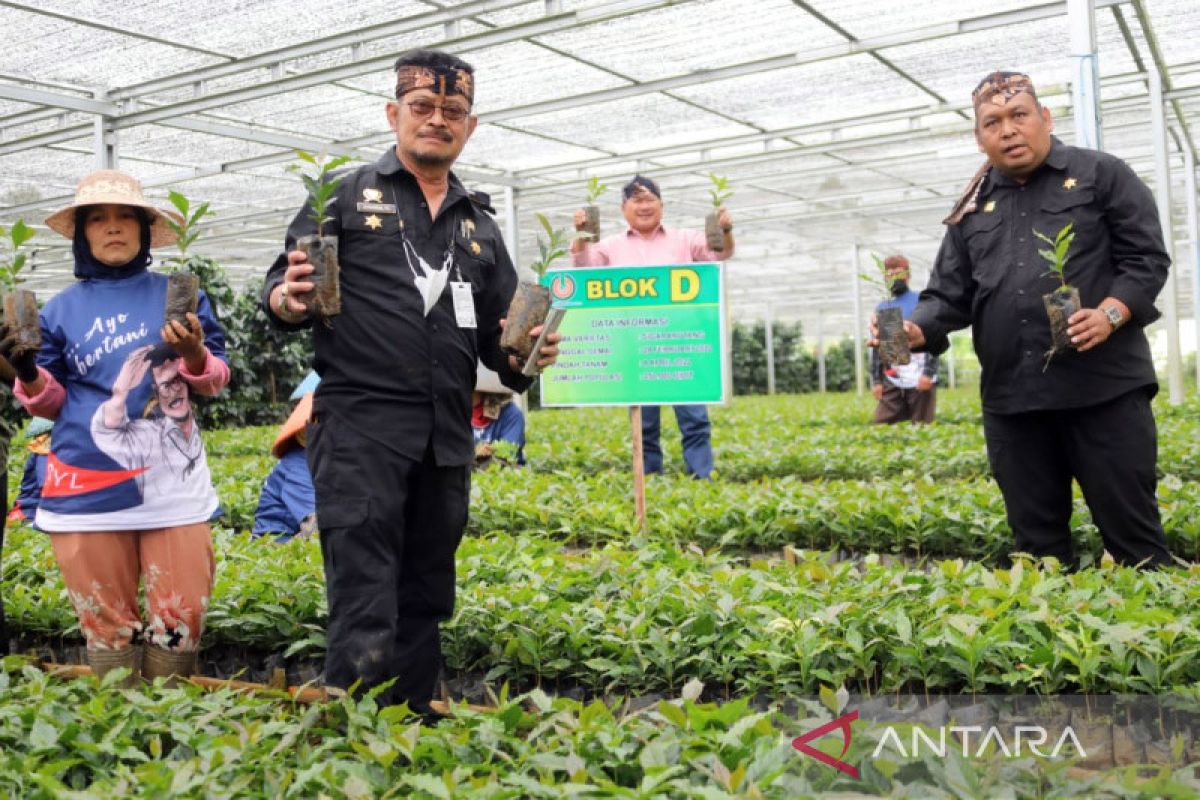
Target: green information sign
(639, 336)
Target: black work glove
(24, 363)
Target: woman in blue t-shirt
(127, 493)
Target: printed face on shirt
(171, 391)
(643, 211)
(1014, 136)
(113, 233)
(424, 136)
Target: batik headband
(440, 80)
(1000, 87)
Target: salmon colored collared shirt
(631, 249)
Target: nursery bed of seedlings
(678, 662)
(67, 739)
(645, 616)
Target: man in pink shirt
(647, 243)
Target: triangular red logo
(843, 723)
(64, 480)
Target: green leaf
(180, 202)
(20, 233)
(545, 223)
(201, 212)
(427, 783)
(594, 189)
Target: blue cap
(38, 426)
(307, 386)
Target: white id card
(464, 304)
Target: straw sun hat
(112, 186)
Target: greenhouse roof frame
(840, 123)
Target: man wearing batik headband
(1086, 414)
(645, 242)
(425, 278)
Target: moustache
(445, 136)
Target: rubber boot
(169, 664)
(104, 661)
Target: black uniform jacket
(988, 274)
(388, 371)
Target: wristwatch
(1114, 316)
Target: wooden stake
(639, 468)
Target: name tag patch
(376, 208)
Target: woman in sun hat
(126, 498)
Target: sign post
(639, 466)
(634, 336)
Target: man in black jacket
(1084, 414)
(425, 280)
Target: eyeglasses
(450, 113)
(169, 385)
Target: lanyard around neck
(421, 267)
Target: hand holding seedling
(549, 351)
(1090, 327)
(916, 336)
(187, 340)
(285, 298)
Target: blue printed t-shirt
(136, 467)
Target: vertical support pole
(104, 139)
(1085, 88)
(1189, 165)
(770, 333)
(639, 467)
(820, 351)
(859, 326)
(512, 231)
(1162, 194)
(512, 236)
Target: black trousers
(1110, 449)
(389, 530)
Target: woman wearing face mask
(128, 495)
